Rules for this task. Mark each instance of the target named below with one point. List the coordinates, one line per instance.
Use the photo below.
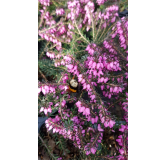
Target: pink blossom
(93, 97)
(111, 89)
(87, 152)
(88, 86)
(66, 88)
(102, 87)
(70, 66)
(83, 81)
(78, 104)
(99, 128)
(106, 124)
(94, 65)
(96, 119)
(39, 90)
(50, 128)
(111, 123)
(93, 150)
(84, 86)
(49, 110)
(63, 103)
(123, 127)
(41, 109)
(83, 131)
(92, 120)
(98, 65)
(121, 151)
(81, 109)
(115, 89)
(106, 79)
(87, 111)
(60, 11)
(45, 111)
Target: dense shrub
(85, 40)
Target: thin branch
(80, 32)
(46, 146)
(92, 25)
(114, 103)
(42, 19)
(43, 75)
(44, 51)
(98, 29)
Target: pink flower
(96, 119)
(106, 124)
(87, 152)
(94, 65)
(99, 128)
(83, 81)
(115, 89)
(111, 89)
(70, 66)
(49, 110)
(111, 123)
(121, 151)
(100, 72)
(81, 109)
(88, 86)
(47, 125)
(93, 97)
(106, 79)
(118, 140)
(102, 87)
(60, 11)
(41, 109)
(84, 86)
(123, 127)
(78, 104)
(92, 120)
(39, 90)
(109, 96)
(98, 65)
(93, 150)
(50, 128)
(86, 111)
(95, 73)
(113, 19)
(101, 79)
(45, 111)
(63, 103)
(65, 88)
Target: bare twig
(46, 147)
(43, 75)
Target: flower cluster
(46, 110)
(50, 55)
(45, 2)
(46, 89)
(101, 72)
(60, 11)
(100, 2)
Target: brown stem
(43, 75)
(42, 19)
(46, 146)
(111, 84)
(114, 103)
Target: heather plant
(85, 40)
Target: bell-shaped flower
(93, 150)
(99, 128)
